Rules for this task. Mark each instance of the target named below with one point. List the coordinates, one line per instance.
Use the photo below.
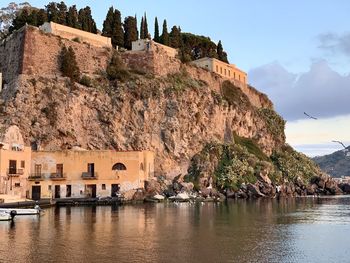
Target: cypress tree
(117, 30)
(175, 37)
(220, 52)
(156, 31)
(142, 29)
(86, 22)
(165, 35)
(137, 31)
(72, 17)
(108, 23)
(145, 27)
(41, 17)
(62, 13)
(52, 12)
(130, 31)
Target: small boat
(21, 211)
(4, 216)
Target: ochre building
(229, 71)
(81, 173)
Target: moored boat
(7, 216)
(20, 211)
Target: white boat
(4, 216)
(21, 211)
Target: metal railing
(35, 177)
(15, 172)
(57, 176)
(88, 175)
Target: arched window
(119, 167)
(141, 167)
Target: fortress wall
(41, 54)
(11, 55)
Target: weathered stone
(253, 191)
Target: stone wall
(155, 62)
(73, 33)
(11, 55)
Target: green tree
(142, 29)
(62, 13)
(41, 17)
(117, 29)
(21, 19)
(175, 37)
(108, 23)
(145, 27)
(86, 22)
(156, 31)
(72, 17)
(222, 55)
(69, 66)
(130, 31)
(52, 12)
(164, 39)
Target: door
(115, 190)
(68, 191)
(36, 192)
(12, 167)
(91, 169)
(93, 191)
(57, 191)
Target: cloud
(321, 91)
(335, 44)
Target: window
(49, 187)
(17, 184)
(229, 73)
(225, 72)
(59, 169)
(221, 70)
(234, 75)
(37, 170)
(141, 167)
(12, 166)
(119, 167)
(103, 187)
(239, 77)
(68, 190)
(217, 68)
(23, 164)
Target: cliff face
(173, 110)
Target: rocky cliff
(159, 104)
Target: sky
(295, 51)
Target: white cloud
(321, 91)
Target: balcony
(14, 172)
(57, 177)
(35, 177)
(89, 176)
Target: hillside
(200, 126)
(336, 164)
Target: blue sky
(296, 51)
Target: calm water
(298, 230)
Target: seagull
(311, 117)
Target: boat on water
(22, 211)
(5, 216)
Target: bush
(69, 66)
(116, 69)
(76, 39)
(275, 123)
(86, 81)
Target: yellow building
(14, 163)
(81, 173)
(229, 71)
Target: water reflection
(286, 230)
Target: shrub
(86, 81)
(275, 123)
(69, 66)
(116, 69)
(76, 39)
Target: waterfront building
(14, 163)
(81, 174)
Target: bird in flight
(311, 117)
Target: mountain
(336, 164)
